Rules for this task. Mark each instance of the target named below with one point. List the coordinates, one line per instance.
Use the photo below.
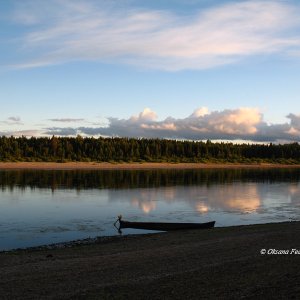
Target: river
(41, 207)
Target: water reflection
(84, 179)
(294, 193)
(239, 197)
(39, 207)
(202, 208)
(145, 205)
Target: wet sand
(131, 166)
(221, 263)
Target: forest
(86, 149)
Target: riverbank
(209, 264)
(131, 166)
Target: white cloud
(239, 121)
(230, 124)
(199, 112)
(147, 115)
(201, 124)
(158, 39)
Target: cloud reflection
(238, 197)
(145, 205)
(202, 208)
(146, 200)
(294, 193)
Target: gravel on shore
(221, 263)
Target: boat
(162, 226)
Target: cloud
(64, 31)
(65, 131)
(17, 133)
(14, 120)
(295, 121)
(230, 124)
(66, 120)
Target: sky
(181, 69)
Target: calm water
(42, 207)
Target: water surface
(41, 207)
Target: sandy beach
(130, 166)
(221, 263)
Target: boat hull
(165, 226)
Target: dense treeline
(64, 149)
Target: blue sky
(194, 69)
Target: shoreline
(89, 241)
(224, 262)
(134, 166)
(72, 243)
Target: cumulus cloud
(295, 121)
(230, 124)
(64, 31)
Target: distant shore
(254, 261)
(132, 166)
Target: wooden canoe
(161, 226)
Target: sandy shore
(222, 263)
(130, 166)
